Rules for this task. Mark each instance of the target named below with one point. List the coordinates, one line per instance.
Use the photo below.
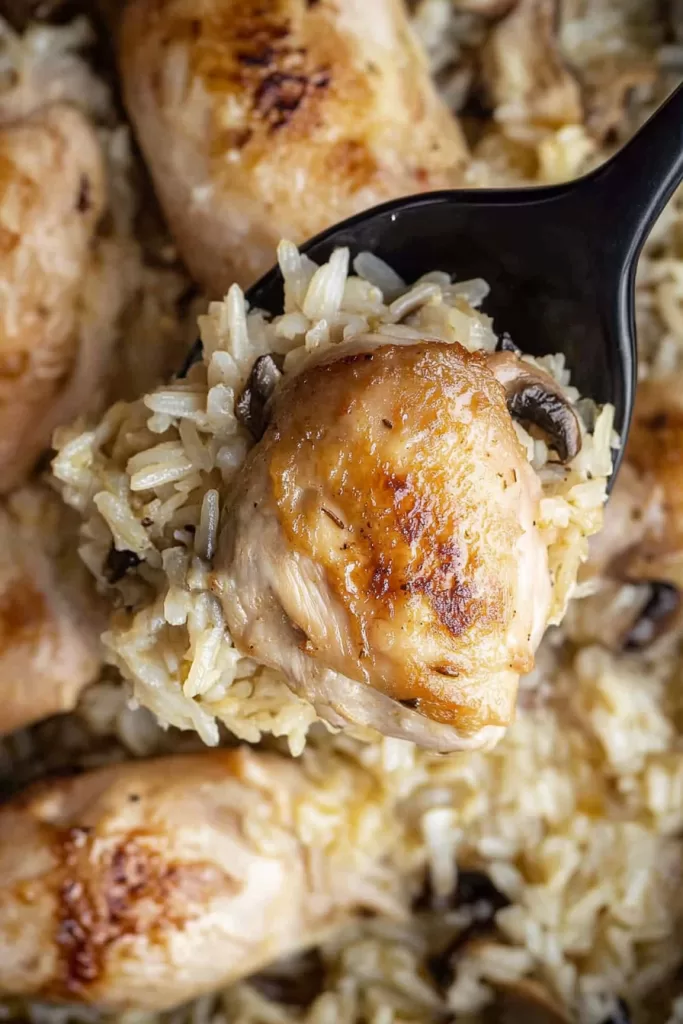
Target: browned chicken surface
(143, 885)
(52, 194)
(381, 548)
(268, 121)
(50, 617)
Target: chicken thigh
(142, 885)
(381, 547)
(50, 615)
(52, 194)
(268, 120)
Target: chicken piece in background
(524, 71)
(262, 121)
(381, 547)
(90, 311)
(53, 193)
(50, 615)
(636, 561)
(141, 885)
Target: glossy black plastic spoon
(560, 260)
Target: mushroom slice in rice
(658, 612)
(533, 397)
(251, 406)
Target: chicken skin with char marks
(142, 885)
(263, 121)
(381, 547)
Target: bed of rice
(575, 816)
(152, 480)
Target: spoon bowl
(560, 260)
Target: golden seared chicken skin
(268, 120)
(50, 616)
(52, 195)
(381, 546)
(142, 885)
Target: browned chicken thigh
(141, 885)
(381, 548)
(52, 194)
(268, 120)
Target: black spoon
(560, 259)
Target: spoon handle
(632, 189)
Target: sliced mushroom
(473, 887)
(526, 1001)
(534, 397)
(655, 616)
(476, 891)
(620, 1015)
(118, 563)
(251, 406)
(296, 981)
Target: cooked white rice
(151, 478)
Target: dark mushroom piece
(296, 981)
(251, 406)
(655, 616)
(506, 344)
(118, 563)
(534, 397)
(476, 891)
(473, 887)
